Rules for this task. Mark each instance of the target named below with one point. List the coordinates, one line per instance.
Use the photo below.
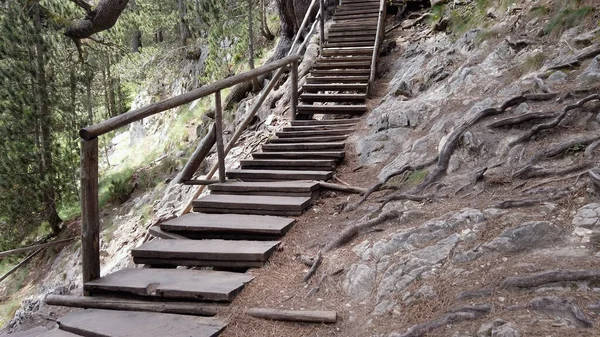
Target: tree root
(506, 204)
(540, 172)
(454, 316)
(576, 60)
(551, 181)
(551, 276)
(352, 230)
(342, 188)
(400, 197)
(555, 150)
(510, 121)
(539, 127)
(557, 305)
(313, 268)
(378, 186)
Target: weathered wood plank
(216, 250)
(298, 164)
(294, 315)
(90, 211)
(312, 133)
(157, 232)
(37, 331)
(253, 202)
(313, 122)
(275, 186)
(266, 175)
(331, 109)
(172, 283)
(320, 139)
(236, 265)
(338, 155)
(110, 323)
(315, 126)
(303, 147)
(111, 303)
(233, 223)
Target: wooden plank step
(369, 38)
(318, 126)
(265, 175)
(344, 59)
(347, 51)
(311, 98)
(319, 139)
(303, 147)
(279, 164)
(41, 331)
(200, 224)
(355, 34)
(157, 232)
(113, 323)
(340, 72)
(207, 253)
(324, 122)
(313, 133)
(342, 65)
(349, 44)
(366, 19)
(206, 285)
(331, 109)
(299, 188)
(254, 204)
(360, 87)
(341, 27)
(337, 155)
(356, 10)
(336, 79)
(358, 15)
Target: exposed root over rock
(552, 276)
(510, 121)
(559, 307)
(457, 315)
(506, 204)
(352, 230)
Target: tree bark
(47, 172)
(101, 18)
(255, 84)
(184, 30)
(136, 34)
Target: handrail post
(294, 80)
(219, 134)
(322, 24)
(90, 212)
(378, 38)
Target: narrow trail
(239, 224)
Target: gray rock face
(525, 236)
(591, 74)
(588, 216)
(557, 77)
(486, 329)
(359, 281)
(506, 330)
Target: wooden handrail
(378, 40)
(116, 122)
(299, 32)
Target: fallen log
(294, 315)
(185, 308)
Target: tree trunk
(255, 84)
(158, 36)
(264, 27)
(101, 18)
(184, 30)
(111, 88)
(136, 34)
(89, 80)
(105, 86)
(47, 172)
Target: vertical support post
(219, 134)
(294, 79)
(322, 24)
(90, 212)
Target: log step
(341, 65)
(347, 51)
(320, 139)
(205, 253)
(303, 147)
(212, 225)
(331, 109)
(312, 133)
(360, 87)
(187, 284)
(250, 204)
(339, 98)
(342, 73)
(315, 126)
(324, 122)
(337, 155)
(297, 165)
(113, 323)
(283, 188)
(267, 175)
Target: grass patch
(565, 19)
(539, 11)
(417, 177)
(8, 309)
(532, 63)
(485, 35)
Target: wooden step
(313, 133)
(356, 10)
(205, 253)
(349, 44)
(355, 16)
(251, 204)
(365, 38)
(303, 147)
(337, 155)
(342, 72)
(157, 232)
(339, 98)
(186, 284)
(350, 28)
(315, 126)
(240, 226)
(336, 79)
(268, 175)
(42, 332)
(351, 58)
(282, 188)
(360, 87)
(112, 323)
(331, 109)
(319, 139)
(342, 65)
(354, 34)
(347, 51)
(324, 122)
(296, 165)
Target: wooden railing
(90, 213)
(378, 39)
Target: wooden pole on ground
(14, 269)
(26, 249)
(90, 213)
(219, 134)
(198, 156)
(294, 315)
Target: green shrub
(565, 19)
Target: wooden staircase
(239, 224)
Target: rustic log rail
(378, 39)
(90, 213)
